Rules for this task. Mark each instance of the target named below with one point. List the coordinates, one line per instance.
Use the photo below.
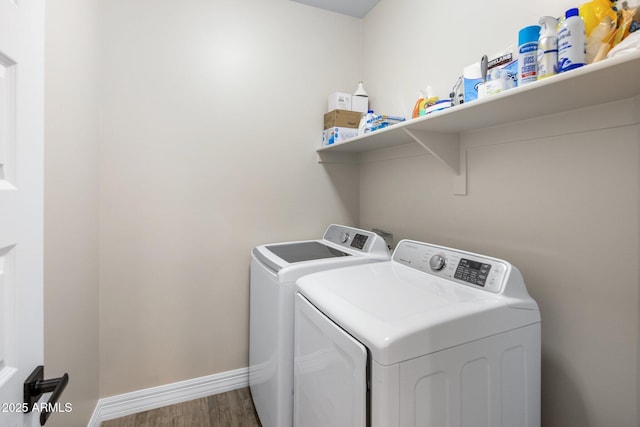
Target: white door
(21, 202)
(330, 372)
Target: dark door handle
(35, 386)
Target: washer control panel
(474, 272)
(478, 271)
(348, 237)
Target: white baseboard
(151, 398)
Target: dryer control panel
(478, 271)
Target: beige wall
(71, 204)
(211, 115)
(558, 197)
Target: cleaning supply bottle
(572, 42)
(528, 54)
(370, 122)
(362, 125)
(547, 47)
(416, 108)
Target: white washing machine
(436, 337)
(274, 270)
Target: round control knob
(437, 262)
(344, 236)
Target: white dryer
(274, 270)
(436, 337)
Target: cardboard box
(339, 101)
(360, 103)
(337, 135)
(342, 118)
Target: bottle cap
(572, 12)
(528, 34)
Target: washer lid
(305, 251)
(339, 247)
(401, 313)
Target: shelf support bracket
(443, 146)
(460, 180)
(446, 148)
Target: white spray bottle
(548, 47)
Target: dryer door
(330, 370)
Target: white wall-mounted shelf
(439, 133)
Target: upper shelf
(605, 81)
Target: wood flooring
(231, 409)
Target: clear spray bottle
(548, 47)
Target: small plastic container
(471, 78)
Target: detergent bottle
(419, 103)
